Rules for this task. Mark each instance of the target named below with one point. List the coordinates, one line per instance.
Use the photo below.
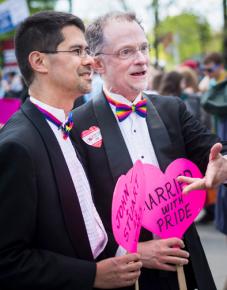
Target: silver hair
(94, 32)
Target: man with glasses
(51, 234)
(122, 125)
(213, 69)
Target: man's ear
(98, 65)
(37, 61)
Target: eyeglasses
(80, 52)
(211, 69)
(128, 52)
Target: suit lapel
(68, 196)
(114, 141)
(115, 147)
(159, 135)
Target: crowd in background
(12, 86)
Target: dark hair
(41, 31)
(94, 32)
(157, 80)
(189, 77)
(170, 84)
(214, 57)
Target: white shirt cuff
(120, 251)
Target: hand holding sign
(127, 207)
(117, 272)
(168, 213)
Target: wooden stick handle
(137, 285)
(181, 278)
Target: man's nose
(88, 60)
(140, 57)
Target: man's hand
(118, 271)
(216, 172)
(163, 254)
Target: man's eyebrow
(133, 44)
(75, 46)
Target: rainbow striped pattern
(123, 110)
(66, 127)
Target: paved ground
(215, 246)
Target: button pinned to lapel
(92, 136)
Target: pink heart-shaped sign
(92, 136)
(168, 212)
(127, 207)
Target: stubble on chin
(139, 88)
(85, 87)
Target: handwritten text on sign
(127, 207)
(168, 213)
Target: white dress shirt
(96, 233)
(135, 132)
(136, 136)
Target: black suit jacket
(174, 133)
(43, 241)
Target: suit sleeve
(22, 265)
(198, 139)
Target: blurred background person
(192, 96)
(14, 85)
(182, 85)
(154, 79)
(215, 73)
(195, 66)
(213, 69)
(189, 82)
(171, 84)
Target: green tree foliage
(40, 5)
(187, 36)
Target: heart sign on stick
(168, 212)
(127, 207)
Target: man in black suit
(51, 234)
(111, 136)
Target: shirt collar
(57, 113)
(120, 98)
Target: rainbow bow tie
(123, 110)
(65, 127)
